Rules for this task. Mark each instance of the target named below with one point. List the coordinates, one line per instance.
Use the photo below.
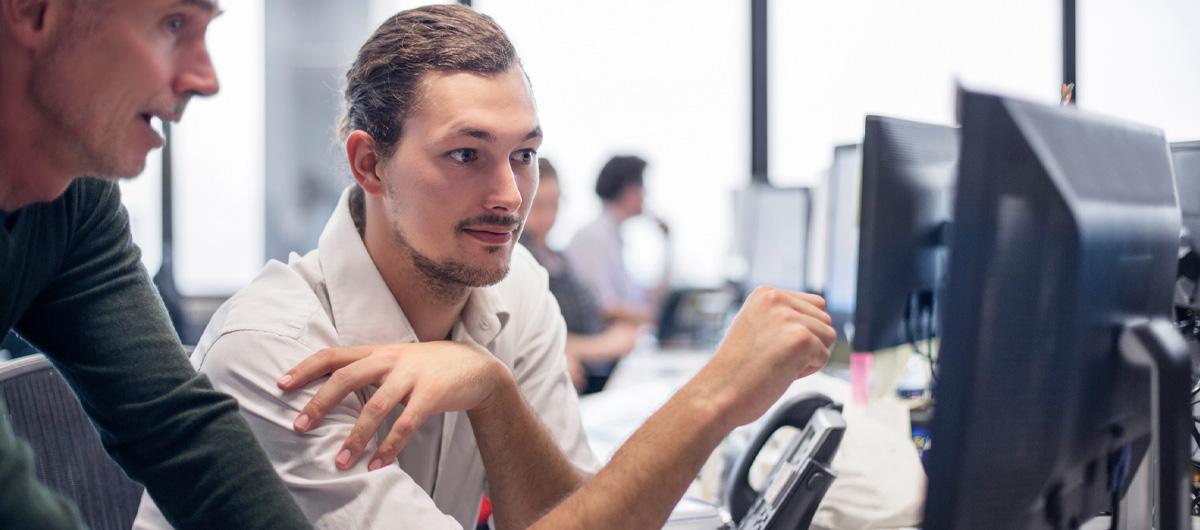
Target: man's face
(633, 199)
(545, 209)
(116, 66)
(458, 184)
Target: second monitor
(908, 175)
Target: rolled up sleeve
(541, 373)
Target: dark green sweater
(71, 282)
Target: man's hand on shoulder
(427, 378)
(777, 337)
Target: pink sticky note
(860, 377)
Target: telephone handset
(800, 478)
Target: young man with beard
(80, 81)
(419, 262)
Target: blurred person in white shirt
(599, 249)
(593, 347)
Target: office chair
(70, 459)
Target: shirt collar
(364, 310)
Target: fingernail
(302, 422)
(375, 464)
(343, 457)
(287, 378)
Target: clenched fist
(777, 337)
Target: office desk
(878, 468)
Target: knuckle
(391, 354)
(339, 377)
(831, 336)
(315, 406)
(404, 427)
(375, 407)
(783, 314)
(806, 339)
(324, 356)
(435, 388)
(387, 448)
(758, 294)
(771, 295)
(819, 301)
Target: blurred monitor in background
(1186, 156)
(771, 235)
(841, 256)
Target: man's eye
(464, 156)
(174, 24)
(525, 156)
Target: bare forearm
(593, 348)
(646, 478)
(527, 472)
(630, 314)
(584, 347)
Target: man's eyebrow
(486, 136)
(207, 6)
(472, 132)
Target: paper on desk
(880, 481)
(693, 514)
(611, 417)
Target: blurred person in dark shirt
(593, 347)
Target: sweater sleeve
(102, 324)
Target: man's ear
(31, 22)
(364, 162)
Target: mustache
(180, 107)
(510, 220)
(177, 108)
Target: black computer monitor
(1058, 295)
(908, 171)
(1186, 156)
(841, 249)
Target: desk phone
(800, 478)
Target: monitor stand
(1158, 345)
(1137, 506)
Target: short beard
(448, 281)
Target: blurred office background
(256, 170)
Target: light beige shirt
(334, 296)
(596, 254)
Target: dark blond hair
(383, 84)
